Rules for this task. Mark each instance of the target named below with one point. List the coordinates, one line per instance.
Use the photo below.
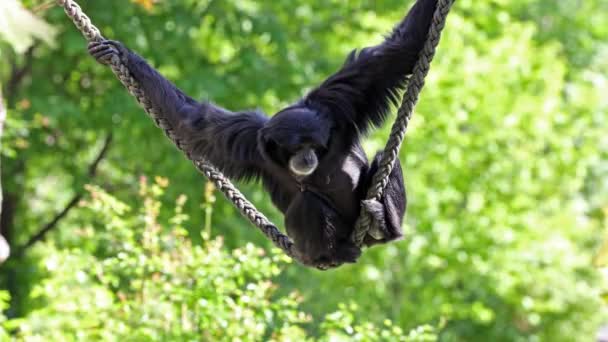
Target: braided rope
(391, 151)
(247, 209)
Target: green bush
(146, 281)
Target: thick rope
(247, 209)
(391, 151)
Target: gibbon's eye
(323, 149)
(278, 154)
(271, 145)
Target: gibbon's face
(296, 138)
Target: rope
(247, 209)
(391, 151)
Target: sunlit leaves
(601, 258)
(146, 4)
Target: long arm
(226, 139)
(370, 81)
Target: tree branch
(91, 172)
(18, 73)
(43, 7)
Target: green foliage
(505, 162)
(145, 281)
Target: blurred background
(114, 236)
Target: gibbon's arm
(227, 140)
(370, 81)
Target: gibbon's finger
(96, 46)
(104, 54)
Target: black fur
(321, 209)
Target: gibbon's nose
(310, 159)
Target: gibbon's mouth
(304, 163)
(300, 171)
